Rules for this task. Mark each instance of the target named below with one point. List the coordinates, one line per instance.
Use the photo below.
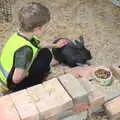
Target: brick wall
(61, 98)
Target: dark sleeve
(23, 56)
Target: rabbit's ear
(81, 39)
(79, 44)
(76, 43)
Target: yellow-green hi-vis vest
(6, 60)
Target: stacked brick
(77, 92)
(8, 110)
(113, 108)
(50, 98)
(96, 97)
(62, 98)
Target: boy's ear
(37, 30)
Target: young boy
(23, 49)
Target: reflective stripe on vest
(4, 72)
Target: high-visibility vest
(7, 56)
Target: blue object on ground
(116, 2)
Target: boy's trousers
(39, 68)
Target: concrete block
(53, 118)
(111, 93)
(7, 109)
(74, 88)
(80, 107)
(66, 114)
(88, 85)
(40, 98)
(113, 108)
(51, 98)
(115, 71)
(96, 97)
(96, 101)
(25, 105)
(97, 109)
(78, 116)
(38, 93)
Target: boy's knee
(46, 52)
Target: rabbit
(73, 54)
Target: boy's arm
(22, 58)
(19, 75)
(59, 44)
(48, 45)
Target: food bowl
(103, 76)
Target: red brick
(113, 108)
(80, 107)
(25, 106)
(7, 109)
(96, 100)
(84, 71)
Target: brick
(7, 109)
(74, 88)
(80, 107)
(84, 71)
(115, 71)
(25, 105)
(78, 116)
(97, 109)
(53, 118)
(66, 114)
(87, 85)
(96, 97)
(38, 93)
(96, 100)
(40, 98)
(113, 108)
(51, 98)
(111, 93)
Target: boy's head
(33, 15)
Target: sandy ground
(97, 20)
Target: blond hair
(32, 15)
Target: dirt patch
(97, 20)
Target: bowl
(103, 76)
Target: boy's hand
(61, 43)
